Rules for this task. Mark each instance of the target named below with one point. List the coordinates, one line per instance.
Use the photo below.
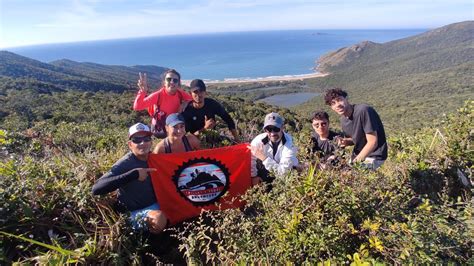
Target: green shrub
(413, 210)
(355, 216)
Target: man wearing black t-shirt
(363, 128)
(200, 114)
(323, 139)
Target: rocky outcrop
(343, 56)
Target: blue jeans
(372, 163)
(137, 217)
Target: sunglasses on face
(175, 80)
(272, 129)
(323, 124)
(138, 140)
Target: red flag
(189, 182)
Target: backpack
(158, 117)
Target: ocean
(218, 56)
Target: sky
(28, 22)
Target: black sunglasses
(323, 124)
(138, 140)
(175, 80)
(272, 129)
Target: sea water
(218, 56)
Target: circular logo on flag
(202, 181)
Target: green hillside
(64, 124)
(32, 91)
(66, 74)
(411, 81)
(434, 50)
(111, 73)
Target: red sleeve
(143, 102)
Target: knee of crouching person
(156, 221)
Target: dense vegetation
(63, 124)
(49, 165)
(413, 210)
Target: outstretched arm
(111, 181)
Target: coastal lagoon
(290, 99)
(219, 56)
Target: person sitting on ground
(364, 129)
(177, 140)
(200, 113)
(272, 151)
(323, 139)
(130, 176)
(167, 100)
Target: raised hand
(341, 142)
(143, 173)
(209, 122)
(258, 151)
(142, 82)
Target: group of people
(186, 116)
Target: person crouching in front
(131, 177)
(272, 151)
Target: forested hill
(113, 73)
(412, 81)
(434, 50)
(18, 72)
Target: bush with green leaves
(395, 215)
(413, 210)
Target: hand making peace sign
(142, 82)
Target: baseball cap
(273, 119)
(174, 119)
(197, 84)
(137, 128)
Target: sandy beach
(271, 78)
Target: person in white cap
(272, 151)
(130, 176)
(177, 140)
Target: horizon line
(3, 48)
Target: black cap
(197, 84)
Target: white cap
(137, 128)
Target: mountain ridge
(461, 34)
(67, 74)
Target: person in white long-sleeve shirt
(273, 152)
